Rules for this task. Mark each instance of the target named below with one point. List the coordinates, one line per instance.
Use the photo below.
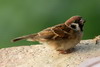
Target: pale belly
(65, 44)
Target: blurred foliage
(22, 17)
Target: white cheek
(77, 26)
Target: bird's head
(75, 22)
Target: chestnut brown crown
(76, 19)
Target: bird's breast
(64, 44)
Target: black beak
(82, 21)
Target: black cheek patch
(81, 27)
(73, 26)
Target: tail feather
(17, 39)
(31, 36)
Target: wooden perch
(43, 56)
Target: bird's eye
(76, 21)
(73, 26)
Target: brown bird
(62, 37)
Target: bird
(62, 37)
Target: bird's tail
(30, 37)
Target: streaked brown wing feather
(62, 30)
(57, 32)
(46, 34)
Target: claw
(66, 51)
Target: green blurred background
(22, 17)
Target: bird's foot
(66, 51)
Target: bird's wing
(62, 30)
(46, 34)
(57, 32)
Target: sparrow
(62, 37)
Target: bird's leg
(66, 51)
(62, 51)
(70, 50)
